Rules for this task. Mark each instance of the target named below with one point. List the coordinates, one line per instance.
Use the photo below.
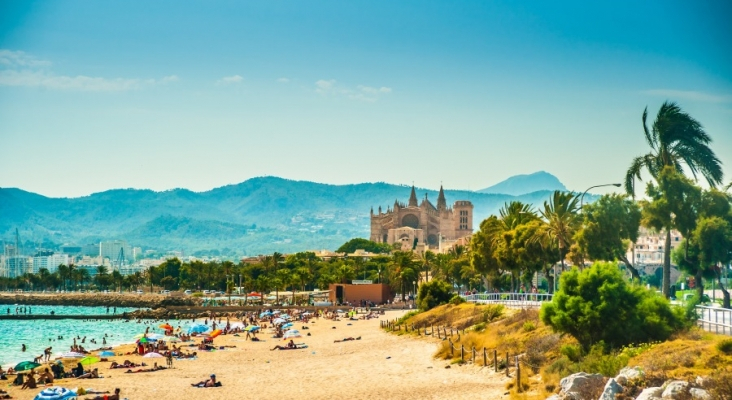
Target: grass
(547, 357)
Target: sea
(39, 334)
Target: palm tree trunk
(667, 265)
(698, 282)
(725, 293)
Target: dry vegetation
(547, 357)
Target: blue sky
(101, 95)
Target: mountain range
(257, 216)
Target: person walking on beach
(169, 358)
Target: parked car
(188, 292)
(139, 291)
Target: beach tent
(294, 333)
(153, 355)
(55, 393)
(198, 328)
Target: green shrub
(432, 294)
(406, 316)
(492, 312)
(480, 327)
(457, 299)
(598, 305)
(725, 346)
(529, 326)
(572, 352)
(197, 294)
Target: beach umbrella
(294, 333)
(55, 393)
(307, 313)
(142, 340)
(251, 328)
(215, 333)
(265, 314)
(198, 328)
(287, 325)
(106, 353)
(276, 312)
(166, 327)
(278, 321)
(89, 360)
(26, 366)
(171, 339)
(153, 355)
(72, 354)
(155, 336)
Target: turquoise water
(62, 310)
(39, 334)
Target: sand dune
(379, 366)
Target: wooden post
(462, 353)
(518, 375)
(495, 359)
(452, 349)
(485, 358)
(507, 361)
(472, 352)
(432, 330)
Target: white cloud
(283, 80)
(361, 92)
(230, 80)
(11, 58)
(691, 95)
(22, 70)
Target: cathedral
(422, 225)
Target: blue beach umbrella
(106, 353)
(198, 328)
(55, 393)
(265, 314)
(251, 328)
(287, 325)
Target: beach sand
(379, 366)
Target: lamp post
(582, 198)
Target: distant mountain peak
(518, 185)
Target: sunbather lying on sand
(89, 375)
(208, 382)
(153, 369)
(348, 339)
(114, 396)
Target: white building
(649, 248)
(116, 249)
(51, 262)
(16, 266)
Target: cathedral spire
(441, 203)
(413, 198)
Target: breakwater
(98, 300)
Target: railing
(522, 300)
(713, 319)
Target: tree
(433, 293)
(714, 236)
(560, 221)
(673, 204)
(402, 270)
(676, 140)
(362, 244)
(610, 225)
(597, 305)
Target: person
(114, 396)
(22, 347)
(47, 353)
(290, 345)
(169, 359)
(90, 375)
(78, 371)
(45, 377)
(211, 382)
(30, 383)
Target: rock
(651, 393)
(675, 389)
(581, 385)
(702, 381)
(611, 389)
(631, 374)
(621, 380)
(554, 397)
(700, 394)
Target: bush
(725, 346)
(572, 352)
(529, 326)
(457, 299)
(432, 294)
(597, 305)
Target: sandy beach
(380, 365)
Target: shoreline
(379, 365)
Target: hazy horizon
(164, 95)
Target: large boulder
(651, 393)
(700, 394)
(611, 389)
(630, 374)
(675, 390)
(582, 385)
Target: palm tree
(275, 262)
(676, 140)
(560, 221)
(402, 270)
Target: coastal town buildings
(421, 225)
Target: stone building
(422, 225)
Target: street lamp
(582, 198)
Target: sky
(202, 94)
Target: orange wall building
(378, 293)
